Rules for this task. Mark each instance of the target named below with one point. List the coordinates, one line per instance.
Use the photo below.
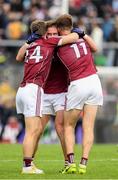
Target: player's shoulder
(36, 43)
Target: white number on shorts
(76, 50)
(35, 55)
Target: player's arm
(91, 43)
(70, 38)
(21, 53)
(87, 38)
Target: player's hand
(79, 31)
(32, 38)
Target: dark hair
(38, 27)
(64, 22)
(50, 23)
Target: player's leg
(59, 104)
(32, 133)
(33, 128)
(59, 126)
(88, 134)
(44, 121)
(70, 120)
(31, 107)
(74, 106)
(92, 101)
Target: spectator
(88, 9)
(97, 35)
(107, 27)
(2, 56)
(114, 38)
(11, 130)
(16, 5)
(115, 6)
(7, 94)
(16, 28)
(38, 12)
(4, 9)
(54, 10)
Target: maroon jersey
(38, 61)
(78, 59)
(57, 81)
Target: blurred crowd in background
(99, 18)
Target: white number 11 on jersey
(76, 49)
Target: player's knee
(59, 127)
(40, 129)
(69, 124)
(36, 131)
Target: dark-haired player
(84, 92)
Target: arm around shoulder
(91, 43)
(70, 38)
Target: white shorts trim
(84, 91)
(53, 103)
(29, 100)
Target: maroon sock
(83, 161)
(70, 158)
(27, 162)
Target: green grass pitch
(103, 162)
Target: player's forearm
(91, 43)
(71, 38)
(21, 53)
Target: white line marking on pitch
(41, 160)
